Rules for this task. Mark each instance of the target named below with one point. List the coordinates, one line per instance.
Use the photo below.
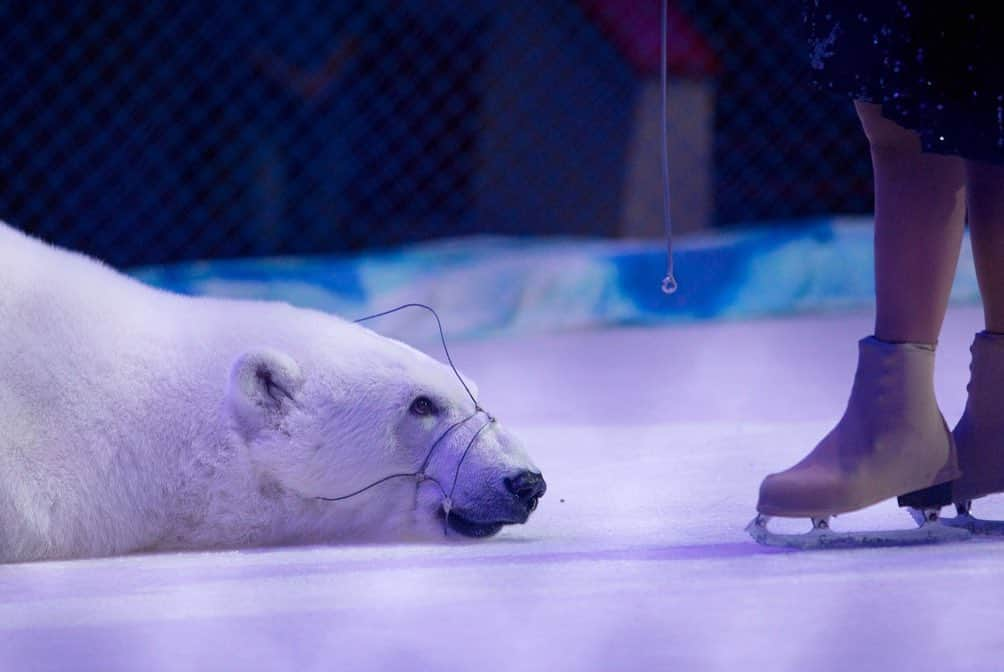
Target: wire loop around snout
(456, 475)
(420, 476)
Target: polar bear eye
(423, 406)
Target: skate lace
(420, 475)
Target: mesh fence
(146, 132)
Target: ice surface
(653, 442)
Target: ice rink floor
(653, 443)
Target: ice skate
(891, 440)
(979, 439)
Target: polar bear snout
(509, 502)
(527, 487)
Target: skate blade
(821, 537)
(977, 526)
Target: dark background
(148, 132)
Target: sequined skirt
(936, 67)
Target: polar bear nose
(528, 487)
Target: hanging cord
(420, 475)
(669, 282)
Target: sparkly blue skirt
(936, 67)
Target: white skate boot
(891, 440)
(979, 437)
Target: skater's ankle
(899, 341)
(992, 334)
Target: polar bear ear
(263, 386)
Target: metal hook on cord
(669, 282)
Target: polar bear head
(378, 440)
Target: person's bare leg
(892, 439)
(919, 220)
(986, 231)
(979, 436)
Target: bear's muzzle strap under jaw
(422, 475)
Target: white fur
(134, 419)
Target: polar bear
(133, 419)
